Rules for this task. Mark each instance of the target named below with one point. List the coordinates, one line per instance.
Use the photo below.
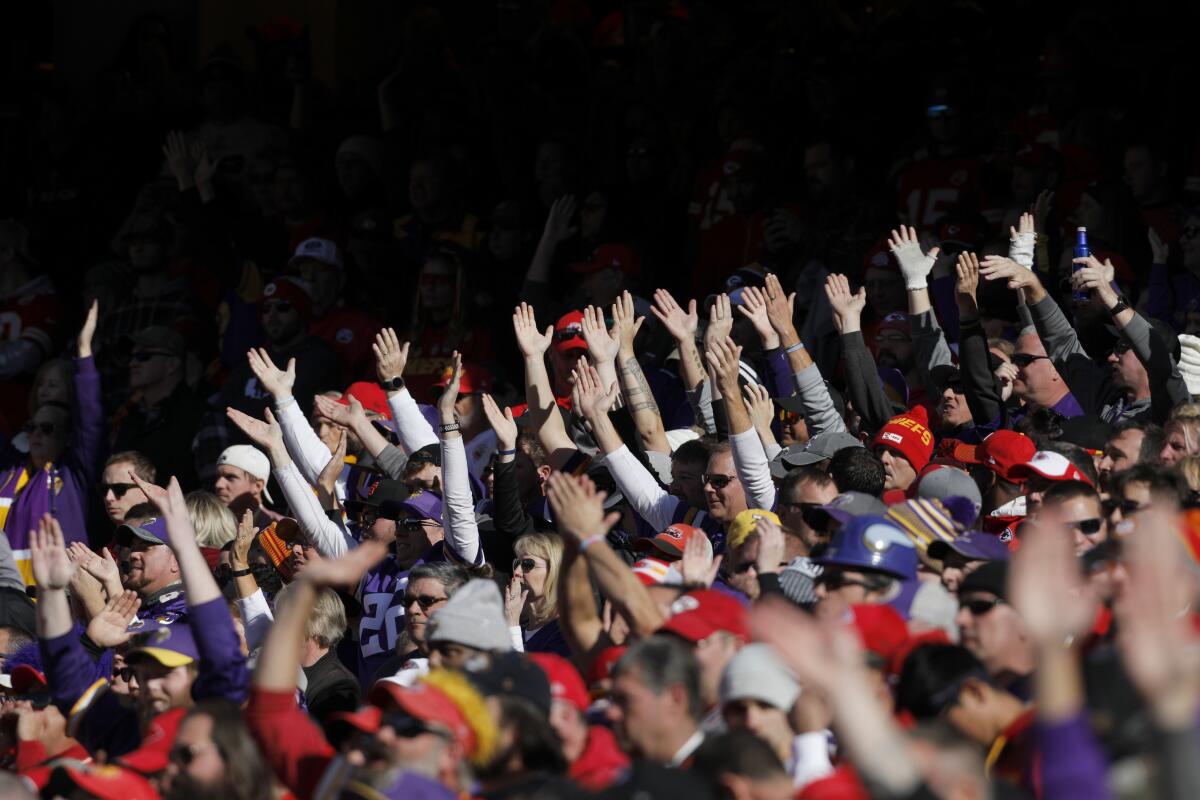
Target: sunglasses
(567, 333)
(44, 428)
(278, 306)
(1025, 359)
(979, 607)
(407, 726)
(526, 564)
(1126, 507)
(118, 489)
(413, 525)
(789, 417)
(142, 356)
(836, 580)
(185, 754)
(743, 568)
(1088, 527)
(1121, 348)
(814, 516)
(425, 601)
(716, 480)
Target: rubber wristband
(589, 541)
(453, 426)
(512, 452)
(241, 573)
(793, 348)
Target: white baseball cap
(318, 249)
(250, 460)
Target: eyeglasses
(743, 568)
(1121, 348)
(118, 489)
(1088, 527)
(789, 417)
(1025, 359)
(142, 356)
(717, 480)
(526, 564)
(278, 306)
(979, 607)
(44, 428)
(834, 580)
(425, 601)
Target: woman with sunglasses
(63, 461)
(214, 755)
(531, 599)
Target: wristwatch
(392, 385)
(1121, 305)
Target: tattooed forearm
(637, 388)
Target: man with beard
(422, 739)
(152, 570)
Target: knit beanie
(473, 616)
(909, 435)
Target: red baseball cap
(881, 629)
(672, 541)
(26, 678)
(1001, 451)
(1051, 466)
(154, 753)
(371, 395)
(475, 379)
(565, 681)
(568, 332)
(697, 615)
(365, 719)
(650, 570)
(610, 256)
(428, 704)
(602, 664)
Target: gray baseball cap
(848, 505)
(814, 451)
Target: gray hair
(661, 662)
(450, 576)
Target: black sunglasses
(717, 480)
(834, 580)
(425, 601)
(407, 726)
(1025, 359)
(118, 489)
(412, 525)
(814, 516)
(185, 754)
(979, 607)
(1088, 527)
(1126, 507)
(1121, 347)
(45, 428)
(526, 564)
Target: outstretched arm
(862, 377)
(304, 447)
(542, 407)
(462, 532)
(636, 389)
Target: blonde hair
(1186, 418)
(214, 523)
(326, 623)
(549, 547)
(1189, 466)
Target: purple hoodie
(61, 488)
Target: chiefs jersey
(32, 314)
(931, 187)
(351, 332)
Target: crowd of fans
(539, 427)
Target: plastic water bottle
(1081, 251)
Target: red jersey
(601, 762)
(351, 332)
(430, 355)
(931, 187)
(32, 314)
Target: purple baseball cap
(153, 530)
(171, 645)
(427, 505)
(973, 546)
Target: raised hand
(1159, 249)
(1021, 241)
(754, 308)
(697, 566)
(770, 547)
(602, 345)
(578, 506)
(720, 321)
(332, 470)
(1006, 375)
(346, 571)
(276, 381)
(625, 323)
(530, 339)
(1095, 277)
(724, 357)
(822, 653)
(52, 569)
(915, 264)
(179, 160)
(558, 222)
(502, 422)
(779, 309)
(266, 434)
(110, 628)
(999, 268)
(593, 400)
(240, 553)
(347, 416)
(169, 500)
(761, 406)
(1046, 586)
(515, 597)
(449, 395)
(966, 282)
(204, 166)
(847, 308)
(682, 325)
(390, 355)
(88, 331)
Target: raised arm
(305, 448)
(639, 399)
(749, 456)
(862, 376)
(979, 383)
(87, 432)
(354, 419)
(603, 345)
(682, 325)
(462, 532)
(579, 512)
(511, 517)
(557, 230)
(1053, 327)
(542, 407)
(391, 357)
(929, 343)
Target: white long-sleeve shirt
(328, 538)
(413, 429)
(651, 502)
(753, 469)
(458, 510)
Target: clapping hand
(110, 628)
